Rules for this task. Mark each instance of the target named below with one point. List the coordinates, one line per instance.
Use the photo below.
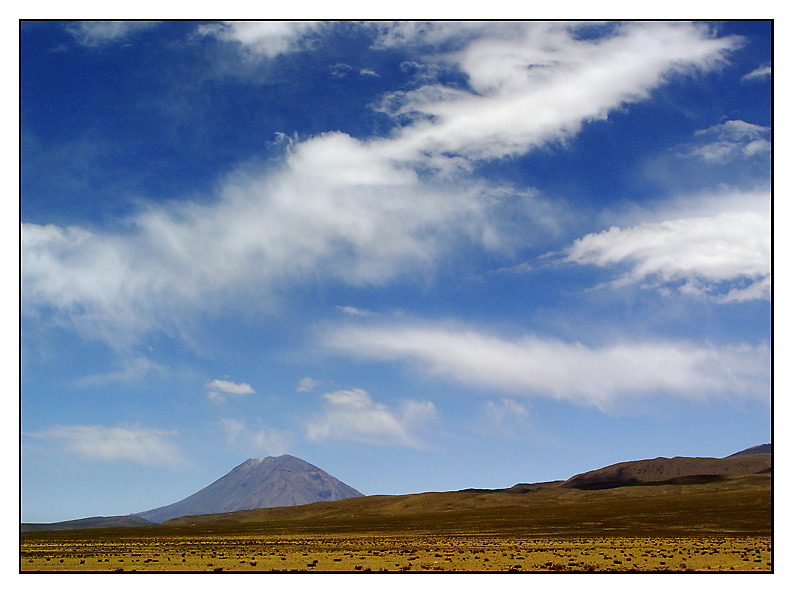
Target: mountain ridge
(755, 450)
(650, 472)
(94, 522)
(738, 503)
(662, 470)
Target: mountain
(755, 450)
(282, 484)
(259, 483)
(733, 493)
(94, 522)
(674, 470)
(738, 504)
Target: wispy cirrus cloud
(267, 231)
(353, 415)
(505, 418)
(362, 212)
(132, 369)
(549, 70)
(256, 437)
(220, 388)
(530, 366)
(762, 72)
(234, 388)
(265, 38)
(353, 311)
(95, 33)
(308, 384)
(130, 443)
(733, 139)
(724, 255)
(544, 69)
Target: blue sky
(422, 256)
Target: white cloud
(353, 415)
(307, 384)
(725, 256)
(506, 419)
(266, 38)
(132, 370)
(230, 387)
(426, 35)
(537, 83)
(506, 409)
(530, 366)
(340, 70)
(145, 446)
(266, 231)
(531, 83)
(762, 72)
(734, 139)
(94, 33)
(339, 160)
(261, 438)
(216, 397)
(352, 311)
(359, 212)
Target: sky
(423, 256)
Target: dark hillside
(755, 450)
(674, 470)
(97, 522)
(739, 505)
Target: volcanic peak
(259, 483)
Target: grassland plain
(717, 526)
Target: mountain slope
(662, 496)
(259, 483)
(755, 450)
(665, 470)
(96, 522)
(740, 504)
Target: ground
(399, 553)
(715, 526)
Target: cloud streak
(261, 438)
(143, 446)
(600, 376)
(96, 33)
(269, 230)
(352, 415)
(227, 387)
(233, 388)
(361, 212)
(734, 139)
(308, 384)
(263, 38)
(537, 83)
(725, 256)
(760, 73)
(506, 419)
(132, 370)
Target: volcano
(259, 483)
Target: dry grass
(721, 526)
(249, 553)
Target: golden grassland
(400, 553)
(718, 526)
